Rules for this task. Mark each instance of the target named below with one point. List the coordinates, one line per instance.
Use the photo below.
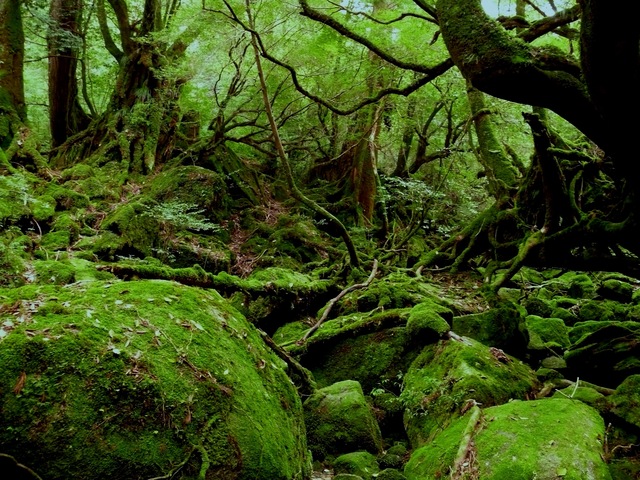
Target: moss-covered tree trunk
(66, 115)
(12, 105)
(498, 167)
(140, 123)
(560, 224)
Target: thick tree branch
(509, 68)
(548, 24)
(122, 15)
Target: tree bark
(66, 116)
(12, 104)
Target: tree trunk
(66, 116)
(12, 105)
(500, 171)
(140, 124)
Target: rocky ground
(147, 330)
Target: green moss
(196, 186)
(66, 199)
(375, 359)
(290, 332)
(128, 380)
(537, 306)
(139, 232)
(601, 310)
(11, 265)
(425, 322)
(498, 327)
(363, 464)
(445, 376)
(78, 172)
(587, 395)
(578, 285)
(339, 420)
(393, 291)
(546, 333)
(433, 460)
(616, 290)
(390, 474)
(606, 355)
(550, 438)
(626, 400)
(545, 437)
(58, 240)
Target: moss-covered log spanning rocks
(144, 379)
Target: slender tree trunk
(501, 173)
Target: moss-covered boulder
(616, 290)
(498, 327)
(426, 322)
(585, 394)
(546, 334)
(200, 188)
(626, 400)
(607, 355)
(601, 310)
(545, 439)
(577, 285)
(390, 474)
(132, 380)
(449, 376)
(363, 464)
(339, 421)
(396, 290)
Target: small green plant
(176, 215)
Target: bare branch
(383, 22)
(327, 20)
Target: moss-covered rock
(546, 334)
(446, 377)
(537, 306)
(390, 474)
(578, 285)
(390, 460)
(498, 327)
(550, 438)
(11, 264)
(599, 310)
(339, 421)
(375, 359)
(616, 290)
(607, 355)
(142, 379)
(587, 395)
(363, 464)
(393, 291)
(626, 400)
(426, 323)
(201, 188)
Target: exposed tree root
(464, 466)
